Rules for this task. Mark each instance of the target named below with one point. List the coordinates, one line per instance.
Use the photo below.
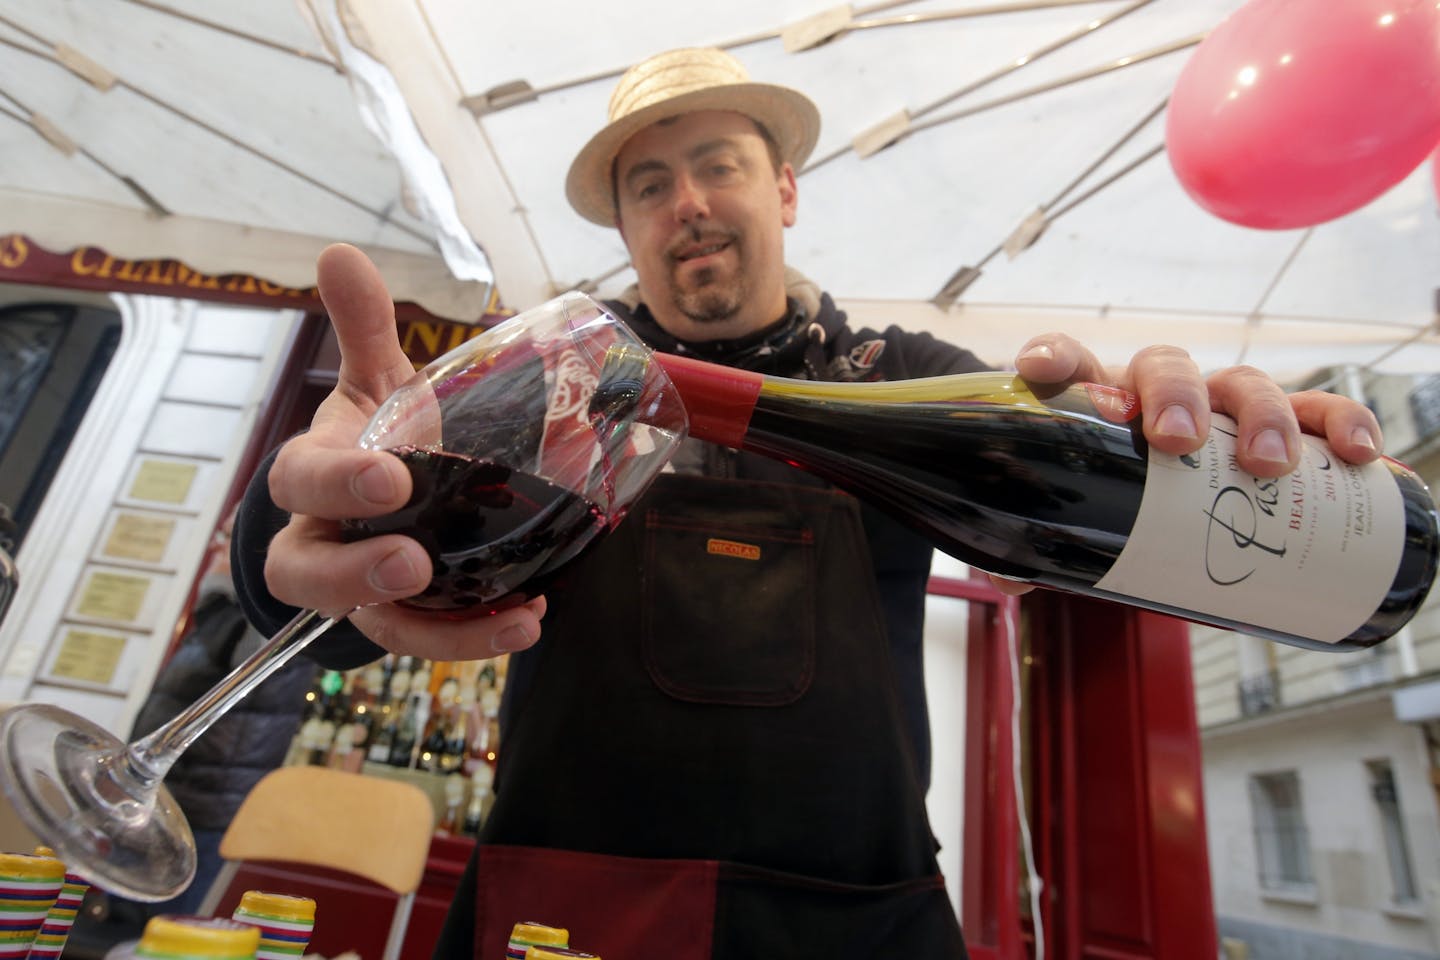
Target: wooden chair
(376, 829)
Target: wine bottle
(457, 742)
(407, 733)
(1063, 490)
(380, 745)
(454, 816)
(432, 743)
(482, 782)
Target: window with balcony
(1259, 692)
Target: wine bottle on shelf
(448, 692)
(383, 740)
(344, 752)
(452, 756)
(432, 746)
(400, 679)
(454, 816)
(364, 703)
(321, 744)
(407, 733)
(481, 782)
(485, 740)
(1062, 490)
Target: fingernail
(1175, 421)
(511, 639)
(374, 485)
(1039, 352)
(1361, 438)
(1269, 445)
(394, 573)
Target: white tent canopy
(245, 133)
(232, 144)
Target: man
(704, 757)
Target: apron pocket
(744, 641)
(764, 913)
(613, 906)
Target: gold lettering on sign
(113, 596)
(138, 537)
(13, 251)
(80, 264)
(429, 336)
(161, 481)
(90, 262)
(424, 340)
(88, 656)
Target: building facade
(1322, 769)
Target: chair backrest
(377, 829)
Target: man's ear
(789, 194)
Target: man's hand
(1176, 403)
(322, 477)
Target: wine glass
(525, 445)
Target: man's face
(703, 211)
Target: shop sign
(90, 268)
(423, 336)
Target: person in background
(704, 756)
(213, 776)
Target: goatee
(709, 297)
(710, 300)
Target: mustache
(704, 236)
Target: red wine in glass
(489, 530)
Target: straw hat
(683, 81)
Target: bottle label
(1312, 553)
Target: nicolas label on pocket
(732, 548)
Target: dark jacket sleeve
(921, 354)
(256, 523)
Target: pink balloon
(1294, 112)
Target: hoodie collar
(779, 349)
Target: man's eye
(647, 190)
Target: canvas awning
(241, 124)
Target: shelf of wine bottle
(431, 723)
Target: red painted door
(1113, 783)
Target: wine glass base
(59, 771)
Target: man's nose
(690, 201)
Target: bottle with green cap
(29, 886)
(527, 934)
(178, 937)
(286, 923)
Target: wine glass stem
(148, 760)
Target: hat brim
(789, 115)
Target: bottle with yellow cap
(286, 923)
(29, 886)
(527, 934)
(178, 937)
(55, 929)
(542, 952)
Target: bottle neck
(719, 400)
